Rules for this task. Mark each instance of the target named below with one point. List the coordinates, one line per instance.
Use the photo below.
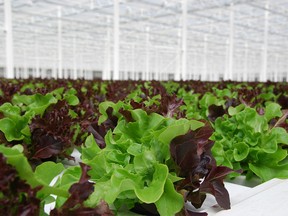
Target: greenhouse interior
(144, 107)
(243, 40)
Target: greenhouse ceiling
(145, 39)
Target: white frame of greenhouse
(210, 40)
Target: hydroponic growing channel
(152, 148)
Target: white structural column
(75, 57)
(136, 65)
(205, 53)
(9, 40)
(116, 41)
(276, 67)
(245, 74)
(25, 69)
(147, 65)
(37, 74)
(226, 60)
(81, 68)
(133, 59)
(54, 72)
(178, 57)
(107, 58)
(263, 75)
(229, 74)
(60, 54)
(158, 69)
(184, 40)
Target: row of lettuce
(146, 147)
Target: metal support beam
(25, 69)
(125, 74)
(229, 75)
(81, 68)
(158, 68)
(226, 72)
(107, 58)
(263, 76)
(17, 72)
(205, 53)
(276, 67)
(133, 63)
(75, 75)
(37, 74)
(116, 32)
(184, 40)
(245, 74)
(9, 73)
(178, 57)
(147, 65)
(60, 55)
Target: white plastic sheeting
(145, 39)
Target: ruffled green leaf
(241, 151)
(170, 202)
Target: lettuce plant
(136, 166)
(247, 140)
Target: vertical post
(25, 69)
(157, 65)
(9, 40)
(245, 75)
(54, 73)
(276, 66)
(65, 72)
(136, 51)
(82, 70)
(37, 74)
(92, 4)
(122, 76)
(263, 76)
(116, 40)
(231, 44)
(194, 68)
(17, 72)
(204, 78)
(147, 71)
(225, 77)
(107, 58)
(284, 67)
(74, 58)
(133, 72)
(60, 56)
(184, 40)
(178, 57)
